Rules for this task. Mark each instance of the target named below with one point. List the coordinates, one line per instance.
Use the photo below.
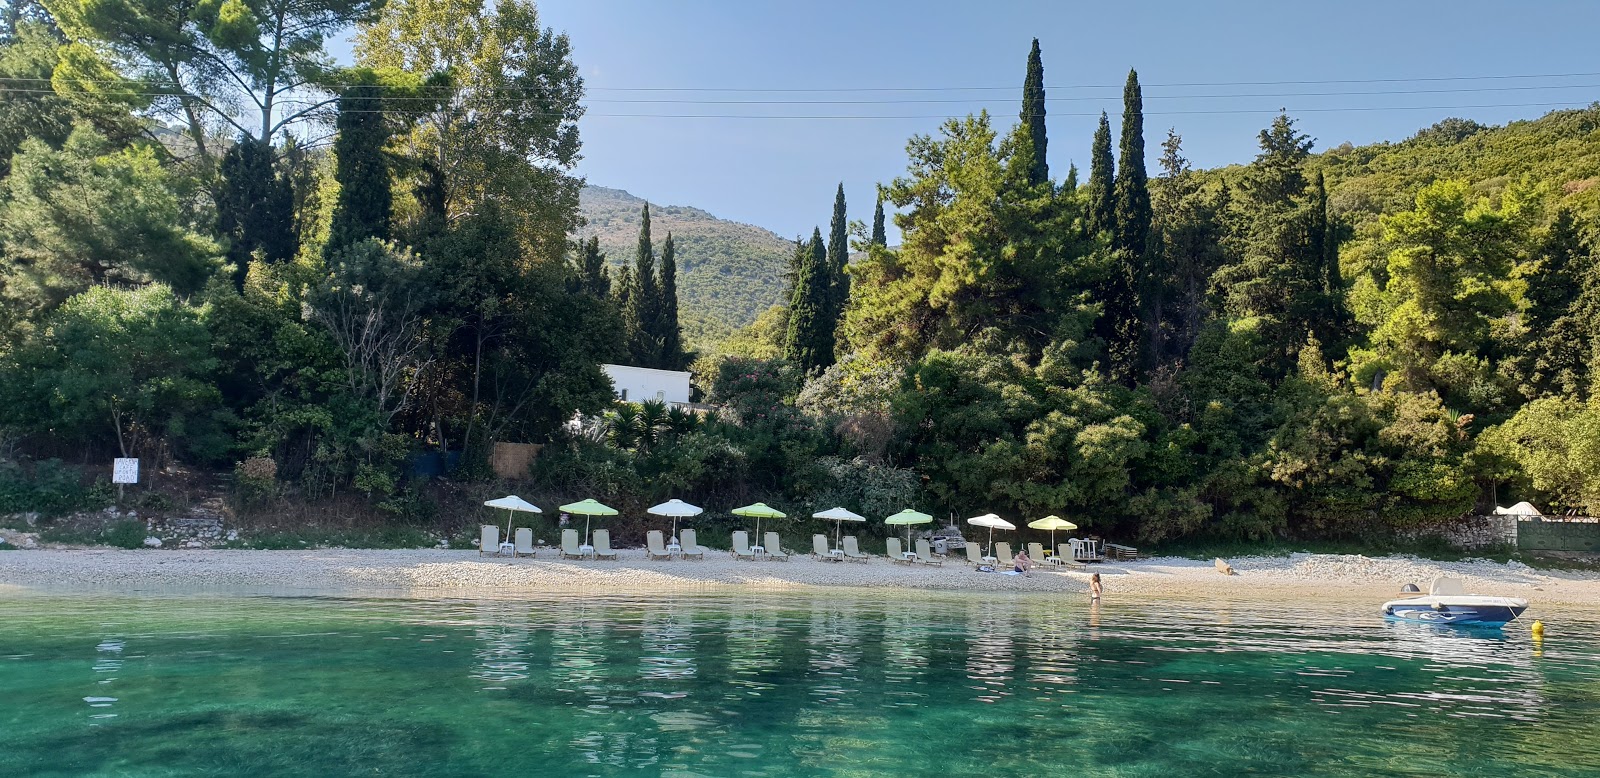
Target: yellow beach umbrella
(1052, 523)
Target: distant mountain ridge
(728, 272)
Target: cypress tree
(1033, 113)
(810, 340)
(255, 207)
(838, 259)
(592, 271)
(1102, 183)
(880, 237)
(1132, 220)
(668, 332)
(361, 168)
(1071, 184)
(643, 313)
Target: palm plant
(651, 423)
(622, 426)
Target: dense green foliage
(1324, 345)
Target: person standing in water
(1094, 587)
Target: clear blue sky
(781, 173)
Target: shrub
(124, 534)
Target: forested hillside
(728, 272)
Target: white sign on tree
(124, 471)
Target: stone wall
(1471, 533)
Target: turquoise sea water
(845, 684)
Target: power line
(665, 101)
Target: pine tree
(668, 332)
(880, 237)
(594, 276)
(1033, 114)
(361, 168)
(642, 317)
(838, 260)
(255, 207)
(809, 342)
(1101, 216)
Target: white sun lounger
(690, 548)
(741, 545)
(569, 545)
(820, 550)
(852, 552)
(524, 542)
(925, 553)
(774, 550)
(602, 545)
(654, 546)
(489, 540)
(896, 553)
(1002, 555)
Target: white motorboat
(1447, 603)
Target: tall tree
(642, 316)
(1132, 220)
(809, 342)
(504, 124)
(1139, 327)
(1187, 230)
(668, 330)
(253, 67)
(1033, 113)
(255, 207)
(361, 168)
(1555, 347)
(838, 260)
(1101, 216)
(594, 276)
(880, 237)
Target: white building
(641, 384)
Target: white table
(508, 548)
(758, 550)
(909, 556)
(839, 552)
(674, 548)
(585, 550)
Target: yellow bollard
(1537, 630)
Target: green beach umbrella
(1052, 523)
(758, 512)
(908, 517)
(586, 509)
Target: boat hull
(1479, 611)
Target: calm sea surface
(766, 685)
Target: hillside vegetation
(728, 272)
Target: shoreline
(448, 573)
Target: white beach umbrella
(993, 522)
(677, 509)
(838, 516)
(512, 504)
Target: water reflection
(824, 685)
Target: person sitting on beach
(1094, 587)
(1022, 563)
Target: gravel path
(439, 572)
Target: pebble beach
(430, 573)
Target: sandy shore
(440, 572)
